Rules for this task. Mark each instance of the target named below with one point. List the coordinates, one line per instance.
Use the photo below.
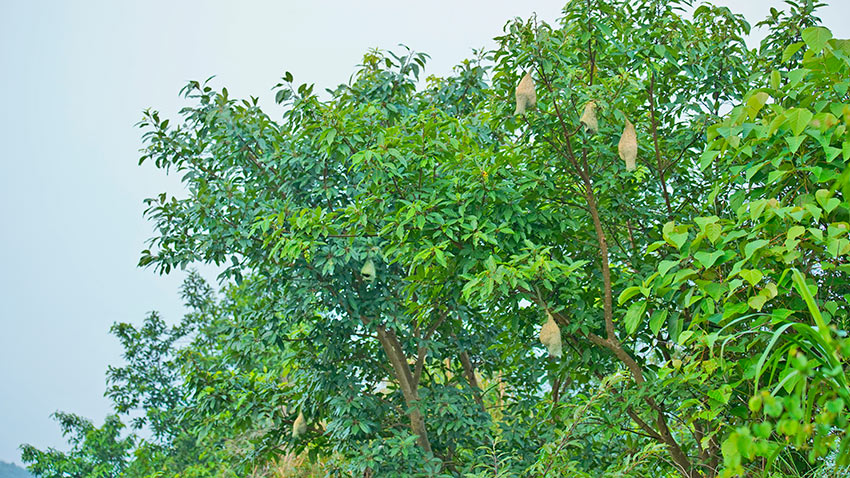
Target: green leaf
(816, 38)
(794, 142)
(683, 274)
(803, 289)
(831, 152)
(798, 119)
(441, 257)
(627, 294)
(655, 246)
(753, 246)
(825, 199)
(712, 232)
(674, 327)
(776, 175)
(837, 247)
(677, 239)
(790, 50)
(796, 76)
(706, 158)
(756, 208)
(755, 103)
(751, 275)
(657, 320)
(757, 302)
(331, 135)
(721, 394)
(775, 79)
(634, 315)
(665, 266)
(707, 259)
(815, 211)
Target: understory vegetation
(392, 247)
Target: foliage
(95, 452)
(391, 249)
(770, 270)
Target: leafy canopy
(700, 298)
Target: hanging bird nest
(299, 426)
(588, 118)
(628, 146)
(550, 336)
(525, 95)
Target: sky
(75, 77)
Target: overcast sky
(75, 77)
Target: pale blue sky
(75, 77)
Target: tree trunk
(409, 389)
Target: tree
(470, 214)
(95, 452)
(150, 390)
(392, 251)
(151, 387)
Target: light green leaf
(796, 76)
(827, 202)
(753, 246)
(707, 259)
(440, 256)
(837, 247)
(816, 38)
(674, 235)
(775, 79)
(678, 239)
(776, 175)
(683, 274)
(755, 103)
(794, 232)
(790, 50)
(706, 158)
(665, 266)
(627, 294)
(756, 208)
(712, 232)
(752, 276)
(831, 152)
(757, 302)
(815, 211)
(798, 119)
